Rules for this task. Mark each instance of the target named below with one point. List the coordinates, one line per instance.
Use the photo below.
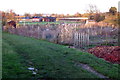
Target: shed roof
(25, 17)
(37, 17)
(75, 18)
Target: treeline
(93, 14)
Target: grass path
(12, 63)
(90, 69)
(51, 60)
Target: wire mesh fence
(77, 35)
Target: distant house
(73, 19)
(37, 19)
(90, 22)
(43, 19)
(26, 19)
(49, 19)
(12, 24)
(23, 19)
(19, 18)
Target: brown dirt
(109, 53)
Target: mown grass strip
(57, 61)
(12, 66)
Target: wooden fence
(81, 39)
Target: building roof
(75, 18)
(19, 16)
(25, 17)
(51, 17)
(37, 17)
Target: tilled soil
(109, 53)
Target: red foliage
(109, 53)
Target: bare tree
(92, 9)
(27, 15)
(10, 15)
(77, 14)
(94, 13)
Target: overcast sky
(55, 6)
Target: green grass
(33, 23)
(12, 63)
(0, 50)
(51, 60)
(39, 23)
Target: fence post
(38, 32)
